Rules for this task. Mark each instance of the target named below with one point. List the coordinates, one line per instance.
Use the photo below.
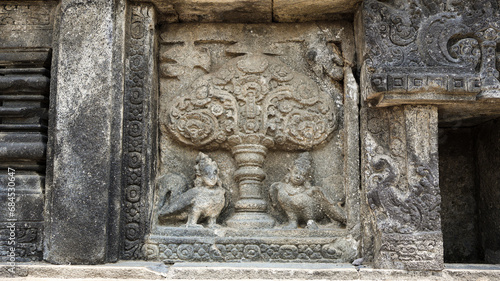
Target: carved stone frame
(139, 128)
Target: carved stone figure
(252, 104)
(205, 199)
(302, 201)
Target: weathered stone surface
(241, 271)
(85, 134)
(25, 40)
(205, 199)
(403, 60)
(26, 23)
(306, 10)
(214, 10)
(401, 187)
(260, 92)
(253, 11)
(301, 201)
(139, 129)
(253, 154)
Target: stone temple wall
(250, 131)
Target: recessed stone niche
(469, 157)
(258, 144)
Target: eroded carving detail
(416, 211)
(205, 199)
(301, 201)
(402, 189)
(331, 252)
(412, 251)
(252, 103)
(253, 99)
(459, 40)
(31, 15)
(136, 117)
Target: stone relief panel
(253, 153)
(442, 46)
(401, 187)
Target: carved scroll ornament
(255, 99)
(435, 45)
(251, 104)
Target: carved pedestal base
(251, 207)
(251, 220)
(172, 245)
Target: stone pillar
(401, 187)
(83, 185)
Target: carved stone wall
(25, 60)
(401, 187)
(411, 49)
(243, 93)
(188, 130)
(421, 63)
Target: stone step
(132, 270)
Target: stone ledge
(252, 11)
(130, 270)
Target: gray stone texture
(139, 270)
(230, 131)
(85, 133)
(253, 11)
(400, 182)
(25, 40)
(404, 62)
(140, 130)
(313, 56)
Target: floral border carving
(137, 115)
(337, 251)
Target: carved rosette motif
(312, 252)
(253, 99)
(135, 140)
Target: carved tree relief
(251, 104)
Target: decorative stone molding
(139, 137)
(410, 49)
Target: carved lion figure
(205, 199)
(300, 200)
